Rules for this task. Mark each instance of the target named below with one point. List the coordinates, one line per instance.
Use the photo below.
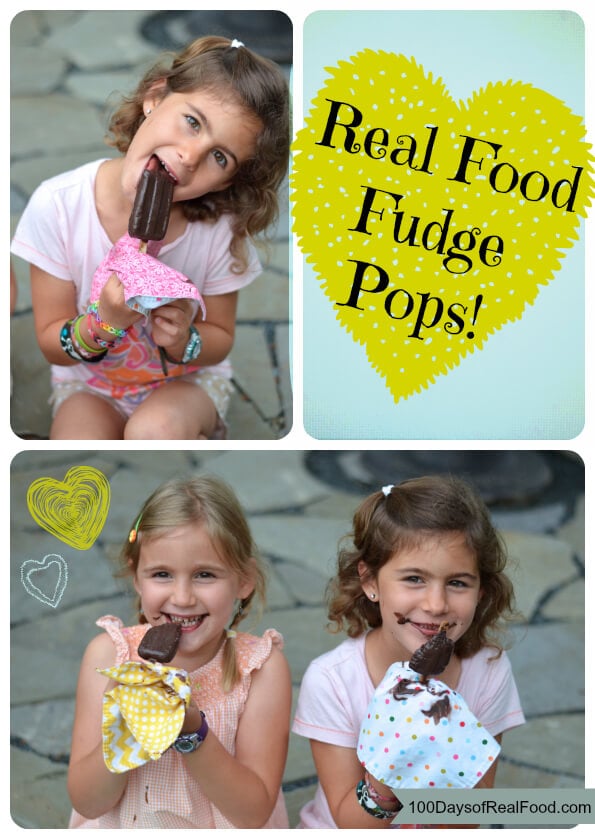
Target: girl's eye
(413, 579)
(458, 584)
(220, 158)
(193, 122)
(205, 575)
(161, 575)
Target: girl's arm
(171, 324)
(54, 302)
(339, 772)
(92, 788)
(245, 786)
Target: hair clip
(231, 633)
(235, 44)
(387, 489)
(133, 535)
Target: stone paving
(65, 67)
(299, 504)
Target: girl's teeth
(184, 621)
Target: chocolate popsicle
(160, 642)
(152, 205)
(433, 656)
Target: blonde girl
(192, 561)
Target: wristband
(188, 743)
(82, 346)
(101, 342)
(67, 344)
(371, 807)
(191, 350)
(113, 330)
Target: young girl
(192, 561)
(217, 121)
(423, 553)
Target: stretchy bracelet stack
(375, 804)
(93, 309)
(75, 347)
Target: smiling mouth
(186, 622)
(425, 627)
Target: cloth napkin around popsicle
(143, 714)
(148, 283)
(419, 733)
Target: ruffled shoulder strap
(122, 636)
(252, 651)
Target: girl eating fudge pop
(135, 303)
(421, 691)
(192, 561)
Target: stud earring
(372, 596)
(147, 112)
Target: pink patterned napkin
(148, 283)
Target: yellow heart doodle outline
(40, 566)
(75, 509)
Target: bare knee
(178, 411)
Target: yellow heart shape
(432, 224)
(75, 509)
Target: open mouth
(155, 164)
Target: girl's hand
(171, 326)
(112, 308)
(193, 719)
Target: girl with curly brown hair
(215, 122)
(422, 556)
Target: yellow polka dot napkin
(143, 714)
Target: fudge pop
(150, 213)
(433, 656)
(160, 642)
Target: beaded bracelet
(371, 807)
(93, 309)
(101, 342)
(67, 344)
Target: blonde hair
(211, 502)
(404, 517)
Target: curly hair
(208, 501)
(412, 512)
(255, 84)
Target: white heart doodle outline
(42, 565)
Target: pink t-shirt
(337, 688)
(60, 232)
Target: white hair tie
(387, 489)
(235, 44)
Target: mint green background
(528, 381)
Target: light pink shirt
(337, 688)
(60, 232)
